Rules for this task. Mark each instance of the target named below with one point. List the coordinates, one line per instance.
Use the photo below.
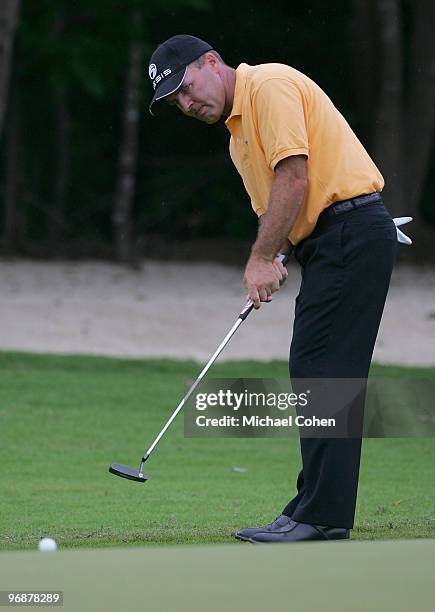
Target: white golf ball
(47, 545)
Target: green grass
(63, 420)
(386, 576)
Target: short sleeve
(280, 118)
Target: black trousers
(346, 265)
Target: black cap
(168, 65)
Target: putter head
(125, 471)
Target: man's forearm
(284, 204)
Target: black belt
(338, 208)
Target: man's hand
(262, 278)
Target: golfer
(315, 190)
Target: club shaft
(196, 383)
(242, 316)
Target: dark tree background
(86, 171)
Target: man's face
(202, 94)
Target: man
(315, 189)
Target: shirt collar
(239, 91)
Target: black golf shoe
(285, 530)
(280, 523)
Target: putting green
(338, 576)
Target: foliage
(186, 185)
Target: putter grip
(249, 306)
(284, 259)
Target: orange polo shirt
(278, 112)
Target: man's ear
(211, 60)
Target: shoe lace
(273, 523)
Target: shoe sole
(298, 541)
(242, 539)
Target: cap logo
(152, 71)
(161, 76)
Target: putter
(125, 471)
